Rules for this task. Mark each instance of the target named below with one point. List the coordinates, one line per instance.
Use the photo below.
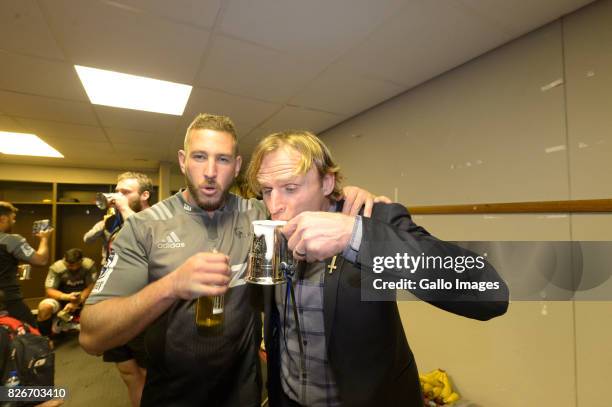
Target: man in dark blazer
(326, 345)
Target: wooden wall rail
(575, 206)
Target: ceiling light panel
(26, 144)
(126, 91)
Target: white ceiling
(268, 64)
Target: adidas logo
(172, 242)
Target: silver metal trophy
(269, 258)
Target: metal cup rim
(269, 222)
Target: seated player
(68, 284)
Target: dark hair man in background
(68, 284)
(14, 248)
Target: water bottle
(12, 380)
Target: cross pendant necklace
(332, 266)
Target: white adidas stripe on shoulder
(159, 211)
(166, 210)
(150, 212)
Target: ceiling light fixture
(26, 144)
(117, 89)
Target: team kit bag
(26, 358)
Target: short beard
(209, 205)
(136, 206)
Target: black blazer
(366, 345)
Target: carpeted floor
(89, 381)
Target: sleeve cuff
(352, 250)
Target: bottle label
(218, 302)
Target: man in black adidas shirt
(163, 260)
(14, 248)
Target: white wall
(494, 131)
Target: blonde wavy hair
(312, 151)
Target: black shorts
(134, 349)
(17, 309)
